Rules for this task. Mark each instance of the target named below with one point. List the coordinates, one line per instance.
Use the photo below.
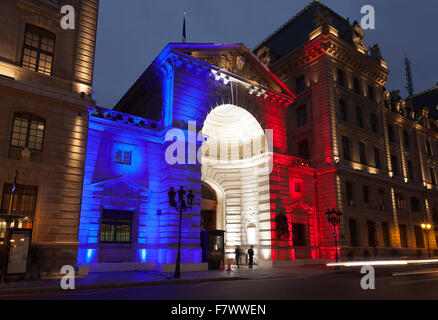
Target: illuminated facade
(45, 74)
(375, 157)
(272, 163)
(300, 126)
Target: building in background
(45, 83)
(375, 159)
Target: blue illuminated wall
(180, 88)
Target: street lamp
(426, 227)
(181, 206)
(334, 217)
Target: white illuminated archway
(235, 163)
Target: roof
(426, 98)
(295, 31)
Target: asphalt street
(338, 286)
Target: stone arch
(238, 169)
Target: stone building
(45, 87)
(375, 158)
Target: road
(327, 286)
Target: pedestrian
(251, 256)
(238, 253)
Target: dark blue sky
(132, 33)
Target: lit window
(116, 226)
(27, 131)
(38, 50)
(123, 157)
(400, 201)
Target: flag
(14, 186)
(184, 29)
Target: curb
(4, 292)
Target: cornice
(336, 48)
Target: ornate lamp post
(333, 217)
(181, 206)
(426, 227)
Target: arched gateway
(219, 115)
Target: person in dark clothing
(251, 256)
(238, 253)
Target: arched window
(27, 131)
(38, 50)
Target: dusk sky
(132, 33)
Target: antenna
(410, 84)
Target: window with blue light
(123, 157)
(116, 226)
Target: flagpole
(184, 28)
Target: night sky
(132, 33)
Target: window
(349, 193)
(362, 154)
(38, 49)
(377, 158)
(386, 235)
(372, 234)
(298, 234)
(406, 139)
(381, 199)
(432, 175)
(428, 148)
(340, 79)
(403, 235)
(303, 149)
(394, 165)
(342, 110)
(419, 239)
(356, 85)
(400, 201)
(353, 232)
(25, 198)
(116, 226)
(300, 84)
(27, 131)
(365, 193)
(359, 119)
(373, 120)
(371, 94)
(301, 116)
(391, 133)
(123, 157)
(346, 148)
(415, 204)
(409, 168)
(297, 187)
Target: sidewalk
(102, 280)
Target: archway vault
(235, 163)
